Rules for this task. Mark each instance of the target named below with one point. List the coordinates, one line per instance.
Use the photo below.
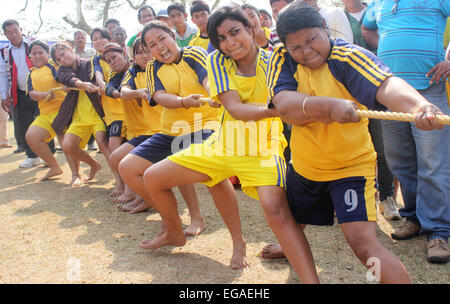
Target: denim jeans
(420, 160)
(385, 180)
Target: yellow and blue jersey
(141, 118)
(200, 41)
(326, 152)
(182, 78)
(251, 138)
(43, 79)
(112, 108)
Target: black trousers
(25, 112)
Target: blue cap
(162, 13)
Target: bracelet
(303, 105)
(182, 103)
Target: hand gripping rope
(442, 119)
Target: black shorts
(314, 203)
(114, 129)
(159, 146)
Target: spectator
(265, 18)
(183, 31)
(111, 24)
(146, 13)
(119, 36)
(355, 10)
(277, 6)
(25, 109)
(80, 48)
(261, 34)
(336, 20)
(420, 161)
(164, 17)
(4, 95)
(200, 13)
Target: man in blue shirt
(411, 44)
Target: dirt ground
(51, 233)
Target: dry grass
(49, 230)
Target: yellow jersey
(182, 78)
(43, 79)
(200, 41)
(140, 117)
(112, 108)
(236, 137)
(327, 152)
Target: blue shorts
(159, 146)
(114, 129)
(314, 203)
(136, 141)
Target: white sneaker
(30, 162)
(389, 209)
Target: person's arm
(241, 111)
(127, 93)
(370, 36)
(172, 101)
(399, 96)
(4, 85)
(300, 109)
(86, 86)
(440, 72)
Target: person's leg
(131, 169)
(113, 144)
(4, 140)
(226, 202)
(159, 181)
(116, 156)
(19, 140)
(37, 138)
(363, 240)
(291, 238)
(274, 251)
(28, 110)
(70, 146)
(197, 223)
(385, 179)
(433, 187)
(400, 151)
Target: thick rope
(442, 119)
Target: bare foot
(76, 181)
(195, 228)
(272, 251)
(164, 240)
(52, 172)
(94, 170)
(118, 190)
(125, 198)
(140, 208)
(239, 257)
(131, 205)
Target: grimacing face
(162, 45)
(235, 39)
(309, 47)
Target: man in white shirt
(79, 42)
(336, 20)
